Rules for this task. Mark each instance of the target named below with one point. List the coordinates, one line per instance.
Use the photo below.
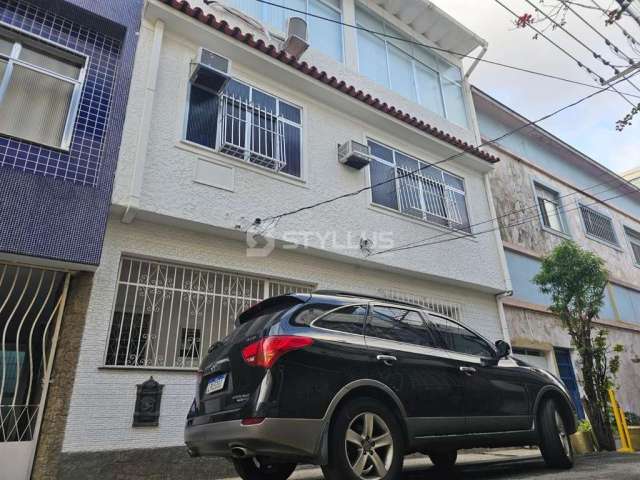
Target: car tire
(444, 460)
(353, 453)
(255, 469)
(555, 443)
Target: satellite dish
(297, 42)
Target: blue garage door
(568, 376)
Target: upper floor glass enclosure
(384, 54)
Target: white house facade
(198, 165)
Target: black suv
(353, 383)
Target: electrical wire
(599, 78)
(440, 49)
(608, 42)
(621, 183)
(632, 41)
(512, 225)
(425, 165)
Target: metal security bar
(251, 132)
(598, 225)
(167, 315)
(31, 304)
(427, 196)
(450, 309)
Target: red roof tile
(310, 70)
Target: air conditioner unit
(297, 41)
(210, 70)
(354, 154)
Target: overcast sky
(590, 127)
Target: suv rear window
(262, 316)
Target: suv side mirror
(503, 349)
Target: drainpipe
(503, 318)
(133, 202)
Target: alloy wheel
(562, 433)
(369, 446)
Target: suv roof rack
(342, 293)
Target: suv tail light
(266, 351)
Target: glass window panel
(48, 62)
(459, 339)
(453, 181)
(380, 151)
(454, 101)
(384, 194)
(450, 71)
(263, 100)
(368, 21)
(251, 7)
(276, 17)
(290, 112)
(202, 120)
(293, 150)
(348, 319)
(401, 72)
(238, 90)
(429, 89)
(427, 58)
(324, 35)
(3, 67)
(406, 162)
(372, 57)
(39, 105)
(400, 325)
(460, 205)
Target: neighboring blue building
(65, 70)
(546, 191)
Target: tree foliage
(576, 281)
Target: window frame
(243, 161)
(539, 184)
(631, 241)
(593, 237)
(367, 307)
(421, 313)
(466, 356)
(414, 61)
(450, 224)
(17, 36)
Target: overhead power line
(427, 242)
(440, 49)
(583, 191)
(468, 149)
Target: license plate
(216, 383)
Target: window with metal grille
(166, 315)
(248, 124)
(598, 225)
(417, 189)
(436, 305)
(40, 87)
(634, 242)
(550, 209)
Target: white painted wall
(102, 403)
(329, 118)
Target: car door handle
(386, 359)
(467, 370)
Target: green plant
(576, 280)
(584, 426)
(633, 419)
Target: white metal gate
(31, 305)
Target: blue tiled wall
(55, 204)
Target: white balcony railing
(251, 132)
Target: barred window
(417, 189)
(247, 124)
(598, 225)
(166, 315)
(634, 242)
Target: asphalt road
(609, 466)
